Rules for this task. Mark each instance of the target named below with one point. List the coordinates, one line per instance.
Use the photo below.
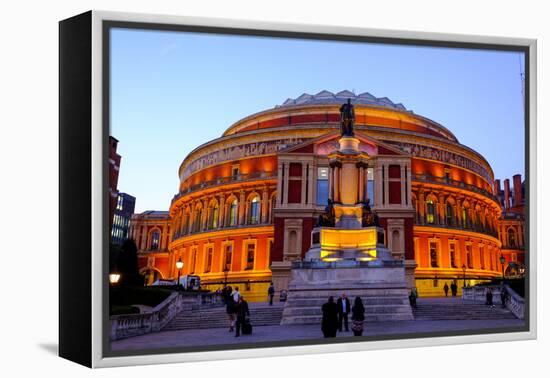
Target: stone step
(458, 311)
(374, 310)
(366, 302)
(217, 318)
(310, 319)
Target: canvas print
(279, 190)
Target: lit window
(511, 237)
(209, 253)
(233, 213)
(198, 219)
(250, 252)
(370, 185)
(433, 255)
(449, 214)
(155, 240)
(254, 216)
(452, 254)
(430, 215)
(213, 221)
(322, 186)
(120, 200)
(228, 257)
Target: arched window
(511, 237)
(213, 220)
(430, 211)
(465, 218)
(233, 213)
(449, 214)
(198, 219)
(254, 212)
(155, 241)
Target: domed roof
(327, 97)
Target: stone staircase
(261, 314)
(458, 309)
(307, 309)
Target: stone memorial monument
(347, 253)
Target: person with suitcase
(241, 310)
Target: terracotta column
(221, 212)
(242, 205)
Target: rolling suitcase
(247, 327)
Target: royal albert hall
(247, 201)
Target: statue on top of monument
(347, 119)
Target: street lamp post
(114, 277)
(502, 262)
(225, 272)
(179, 267)
(464, 275)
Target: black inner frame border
(108, 25)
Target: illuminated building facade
(248, 201)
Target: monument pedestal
(380, 284)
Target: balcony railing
(225, 180)
(454, 183)
(178, 235)
(475, 228)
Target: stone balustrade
(514, 302)
(130, 325)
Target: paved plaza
(221, 336)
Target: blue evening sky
(172, 91)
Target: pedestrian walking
(271, 293)
(236, 295)
(489, 297)
(229, 307)
(454, 289)
(343, 311)
(446, 289)
(357, 317)
(329, 323)
(241, 311)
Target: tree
(127, 265)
